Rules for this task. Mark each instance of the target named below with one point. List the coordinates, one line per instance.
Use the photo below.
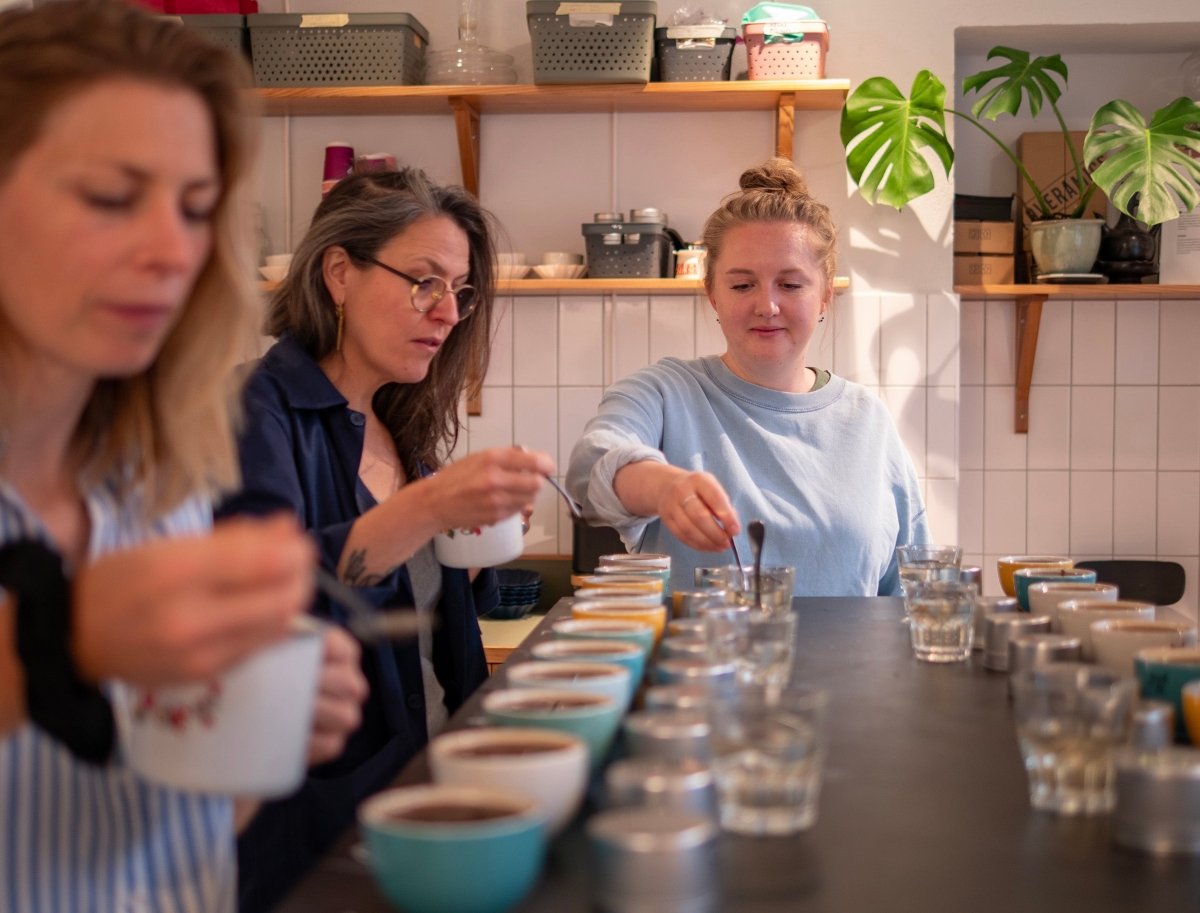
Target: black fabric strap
(57, 699)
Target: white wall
(898, 330)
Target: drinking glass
(924, 563)
(768, 746)
(730, 576)
(942, 620)
(760, 645)
(1070, 717)
(773, 592)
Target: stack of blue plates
(519, 592)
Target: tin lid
(685, 784)
(608, 217)
(683, 646)
(677, 697)
(649, 214)
(667, 671)
(653, 858)
(1158, 800)
(998, 627)
(1153, 725)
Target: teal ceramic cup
(637, 632)
(594, 677)
(1025, 577)
(453, 849)
(618, 652)
(1162, 672)
(593, 717)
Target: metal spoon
(575, 511)
(757, 533)
(737, 559)
(367, 623)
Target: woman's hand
(340, 692)
(185, 609)
(486, 487)
(695, 508)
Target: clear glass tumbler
(768, 748)
(926, 563)
(942, 620)
(1070, 718)
(760, 645)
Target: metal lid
(649, 214)
(1153, 725)
(670, 734)
(653, 858)
(1031, 649)
(670, 671)
(998, 627)
(682, 646)
(1158, 800)
(608, 217)
(677, 697)
(686, 784)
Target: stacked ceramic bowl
(511, 266)
(519, 592)
(557, 264)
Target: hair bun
(778, 175)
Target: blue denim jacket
(301, 447)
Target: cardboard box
(983, 269)
(984, 237)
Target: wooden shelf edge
(1103, 291)
(535, 287)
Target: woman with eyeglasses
(351, 416)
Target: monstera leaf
(1019, 78)
(1149, 160)
(884, 134)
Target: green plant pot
(1065, 245)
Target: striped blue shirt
(74, 837)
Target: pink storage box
(786, 59)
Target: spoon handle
(575, 511)
(738, 561)
(368, 623)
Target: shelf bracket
(466, 122)
(1029, 318)
(785, 124)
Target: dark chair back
(588, 543)
(1160, 582)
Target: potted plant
(1153, 166)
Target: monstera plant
(1154, 166)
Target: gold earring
(341, 318)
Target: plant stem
(1084, 195)
(1025, 175)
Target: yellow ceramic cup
(1009, 563)
(655, 616)
(1189, 696)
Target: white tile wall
(1111, 464)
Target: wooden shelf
(1029, 300)
(469, 103)
(567, 287)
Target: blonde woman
(122, 306)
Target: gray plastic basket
(337, 49)
(643, 250)
(565, 53)
(694, 62)
(226, 30)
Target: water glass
(730, 576)
(768, 746)
(760, 645)
(771, 592)
(1070, 717)
(926, 563)
(942, 620)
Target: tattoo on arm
(356, 574)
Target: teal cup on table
(635, 632)
(595, 718)
(1162, 672)
(453, 849)
(592, 650)
(1024, 578)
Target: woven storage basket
(688, 54)
(786, 59)
(337, 49)
(571, 53)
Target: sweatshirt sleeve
(626, 429)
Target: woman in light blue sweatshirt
(680, 452)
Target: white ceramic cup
(606, 679)
(547, 766)
(1075, 617)
(244, 734)
(1045, 597)
(1116, 640)
(483, 546)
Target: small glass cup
(926, 563)
(1070, 718)
(760, 645)
(942, 620)
(769, 592)
(730, 576)
(768, 746)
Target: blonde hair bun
(778, 175)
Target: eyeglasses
(428, 292)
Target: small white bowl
(1116, 640)
(1045, 597)
(1075, 616)
(273, 273)
(562, 257)
(511, 271)
(559, 270)
(510, 259)
(284, 260)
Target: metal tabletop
(923, 808)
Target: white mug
(481, 546)
(245, 733)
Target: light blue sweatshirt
(825, 471)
